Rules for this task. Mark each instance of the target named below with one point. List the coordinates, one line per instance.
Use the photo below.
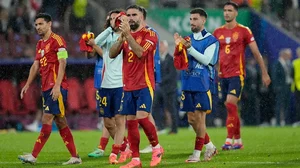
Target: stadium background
(270, 21)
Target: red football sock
(231, 122)
(134, 137)
(67, 137)
(237, 134)
(103, 143)
(124, 144)
(199, 142)
(149, 130)
(42, 139)
(115, 149)
(206, 139)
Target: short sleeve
(248, 36)
(59, 42)
(149, 42)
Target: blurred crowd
(275, 105)
(73, 17)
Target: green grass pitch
(264, 147)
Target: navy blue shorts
(109, 101)
(137, 100)
(232, 85)
(192, 101)
(55, 107)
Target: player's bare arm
(115, 49)
(34, 70)
(96, 49)
(61, 71)
(265, 76)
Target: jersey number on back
(227, 49)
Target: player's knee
(191, 121)
(109, 125)
(60, 125)
(47, 120)
(61, 122)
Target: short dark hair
(140, 8)
(144, 12)
(235, 5)
(47, 17)
(199, 11)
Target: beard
(134, 25)
(195, 29)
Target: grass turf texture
(264, 147)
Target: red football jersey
(138, 73)
(46, 54)
(232, 49)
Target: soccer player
(50, 60)
(99, 151)
(111, 90)
(138, 45)
(157, 72)
(233, 38)
(193, 55)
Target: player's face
(229, 13)
(135, 18)
(112, 21)
(197, 22)
(42, 27)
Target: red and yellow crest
(139, 39)
(47, 48)
(235, 36)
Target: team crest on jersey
(139, 39)
(47, 48)
(227, 40)
(235, 36)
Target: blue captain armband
(62, 53)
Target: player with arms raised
(138, 45)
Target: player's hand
(124, 26)
(23, 91)
(55, 92)
(91, 42)
(177, 38)
(266, 79)
(186, 42)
